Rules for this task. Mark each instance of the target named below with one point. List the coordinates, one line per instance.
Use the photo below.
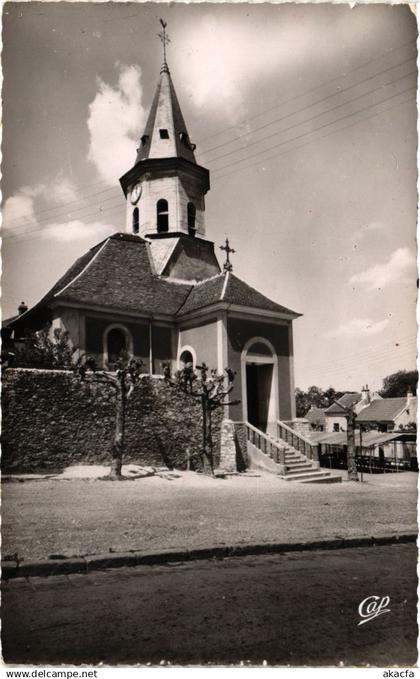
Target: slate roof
(118, 274)
(348, 400)
(383, 410)
(235, 291)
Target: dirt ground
(289, 609)
(80, 517)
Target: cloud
(359, 327)
(76, 230)
(62, 191)
(18, 208)
(20, 214)
(381, 274)
(221, 60)
(367, 229)
(116, 118)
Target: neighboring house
(316, 418)
(158, 291)
(389, 414)
(335, 418)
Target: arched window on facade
(185, 359)
(116, 342)
(191, 218)
(136, 220)
(162, 215)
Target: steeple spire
(165, 134)
(165, 39)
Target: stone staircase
(272, 453)
(299, 468)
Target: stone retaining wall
(51, 420)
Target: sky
(305, 116)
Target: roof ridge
(225, 284)
(210, 278)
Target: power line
(311, 132)
(318, 115)
(33, 232)
(109, 189)
(58, 216)
(22, 228)
(313, 89)
(350, 363)
(338, 374)
(270, 157)
(269, 136)
(60, 205)
(307, 106)
(377, 349)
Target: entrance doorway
(260, 383)
(259, 380)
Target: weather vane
(227, 266)
(164, 38)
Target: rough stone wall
(51, 420)
(242, 461)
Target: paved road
(296, 608)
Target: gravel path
(79, 517)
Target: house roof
(347, 401)
(228, 288)
(383, 410)
(119, 274)
(370, 438)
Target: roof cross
(164, 38)
(227, 266)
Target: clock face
(135, 193)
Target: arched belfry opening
(136, 220)
(162, 216)
(259, 383)
(191, 214)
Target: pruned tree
(123, 381)
(211, 390)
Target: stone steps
(302, 470)
(299, 468)
(303, 476)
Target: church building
(157, 289)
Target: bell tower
(165, 189)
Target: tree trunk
(207, 437)
(351, 455)
(119, 436)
